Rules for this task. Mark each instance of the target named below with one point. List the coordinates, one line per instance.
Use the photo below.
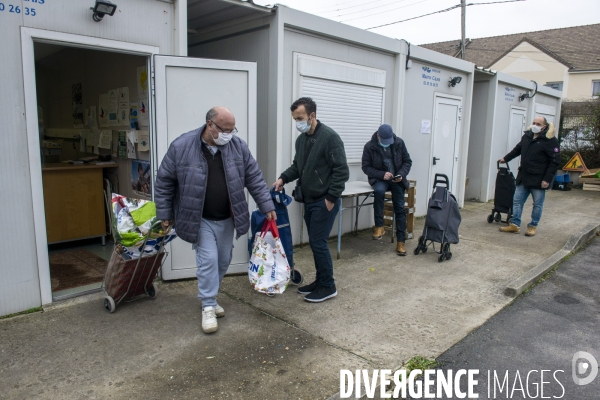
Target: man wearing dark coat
(540, 157)
(386, 163)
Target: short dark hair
(211, 114)
(309, 105)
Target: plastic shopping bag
(269, 270)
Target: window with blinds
(353, 110)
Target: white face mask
(536, 129)
(223, 138)
(303, 126)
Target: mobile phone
(397, 177)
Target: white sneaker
(219, 311)
(209, 320)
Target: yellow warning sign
(575, 164)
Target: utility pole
(463, 10)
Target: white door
(516, 126)
(446, 134)
(184, 90)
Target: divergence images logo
(584, 363)
(426, 69)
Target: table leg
(339, 240)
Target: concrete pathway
(388, 310)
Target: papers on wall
(143, 141)
(133, 115)
(142, 82)
(113, 107)
(131, 140)
(123, 113)
(92, 122)
(123, 94)
(140, 177)
(122, 144)
(142, 86)
(105, 139)
(103, 111)
(425, 126)
(143, 112)
(115, 144)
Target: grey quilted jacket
(181, 184)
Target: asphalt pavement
(540, 331)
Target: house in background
(566, 59)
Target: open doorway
(93, 118)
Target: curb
(578, 239)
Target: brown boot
(378, 232)
(400, 249)
(512, 228)
(530, 230)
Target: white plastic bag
(269, 270)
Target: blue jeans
(213, 256)
(319, 222)
(380, 187)
(521, 195)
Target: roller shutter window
(354, 111)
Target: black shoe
(306, 289)
(321, 294)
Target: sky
(481, 21)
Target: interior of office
(94, 141)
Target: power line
(359, 5)
(442, 11)
(335, 5)
(382, 12)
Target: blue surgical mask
(303, 126)
(384, 145)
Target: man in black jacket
(540, 158)
(386, 163)
(322, 172)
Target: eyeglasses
(231, 132)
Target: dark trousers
(319, 222)
(380, 187)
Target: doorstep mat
(74, 268)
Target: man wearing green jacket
(321, 169)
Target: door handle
(434, 160)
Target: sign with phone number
(16, 9)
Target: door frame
(28, 37)
(457, 139)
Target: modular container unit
(500, 114)
(255, 60)
(359, 81)
(139, 27)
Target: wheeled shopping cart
(442, 220)
(503, 195)
(129, 278)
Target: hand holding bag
(269, 270)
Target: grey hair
(211, 114)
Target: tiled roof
(577, 47)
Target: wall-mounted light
(524, 96)
(454, 81)
(102, 8)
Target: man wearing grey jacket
(200, 185)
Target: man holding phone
(386, 163)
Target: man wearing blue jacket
(386, 163)
(200, 185)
